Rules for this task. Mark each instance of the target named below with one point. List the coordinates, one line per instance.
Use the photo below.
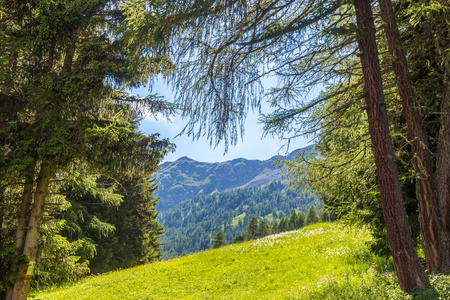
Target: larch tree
(406, 262)
(222, 50)
(434, 236)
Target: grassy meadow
(322, 261)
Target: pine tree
(300, 220)
(263, 229)
(252, 228)
(275, 226)
(239, 239)
(283, 225)
(219, 240)
(312, 216)
(64, 70)
(293, 221)
(323, 215)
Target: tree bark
(443, 159)
(22, 284)
(435, 249)
(21, 230)
(24, 209)
(30, 247)
(406, 263)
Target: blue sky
(252, 146)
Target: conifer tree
(239, 239)
(252, 228)
(275, 226)
(293, 221)
(323, 215)
(312, 216)
(64, 67)
(263, 229)
(219, 240)
(283, 225)
(300, 220)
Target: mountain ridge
(186, 178)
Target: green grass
(235, 221)
(322, 261)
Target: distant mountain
(186, 178)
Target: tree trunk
(21, 230)
(22, 284)
(443, 159)
(24, 209)
(435, 249)
(406, 263)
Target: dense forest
(191, 225)
(71, 154)
(76, 172)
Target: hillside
(322, 261)
(296, 265)
(190, 225)
(186, 178)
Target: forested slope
(191, 225)
(186, 178)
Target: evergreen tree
(239, 239)
(312, 216)
(263, 229)
(323, 215)
(252, 228)
(283, 225)
(275, 228)
(300, 220)
(293, 221)
(135, 238)
(65, 69)
(219, 240)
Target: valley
(197, 200)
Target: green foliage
(115, 236)
(65, 69)
(263, 229)
(322, 261)
(57, 262)
(219, 240)
(8, 258)
(239, 239)
(323, 215)
(312, 216)
(252, 228)
(190, 225)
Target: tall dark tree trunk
(435, 248)
(30, 245)
(406, 263)
(22, 283)
(443, 155)
(24, 210)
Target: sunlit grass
(235, 221)
(322, 261)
